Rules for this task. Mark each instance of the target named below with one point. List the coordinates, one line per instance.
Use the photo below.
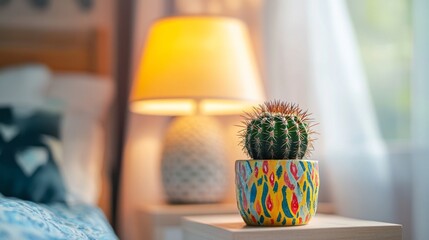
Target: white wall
(140, 171)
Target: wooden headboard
(60, 50)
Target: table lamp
(193, 67)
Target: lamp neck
(198, 107)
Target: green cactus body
(277, 131)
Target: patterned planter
(277, 192)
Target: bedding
(24, 220)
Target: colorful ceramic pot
(277, 192)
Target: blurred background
(360, 66)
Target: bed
(77, 63)
(28, 220)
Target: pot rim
(259, 160)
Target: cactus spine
(277, 130)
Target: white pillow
(83, 149)
(84, 93)
(86, 98)
(24, 85)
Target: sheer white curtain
(312, 57)
(355, 152)
(420, 120)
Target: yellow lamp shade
(196, 63)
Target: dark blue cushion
(44, 184)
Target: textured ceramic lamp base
(277, 192)
(193, 163)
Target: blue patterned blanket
(27, 220)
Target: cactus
(277, 130)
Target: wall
(140, 175)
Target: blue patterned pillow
(28, 168)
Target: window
(383, 29)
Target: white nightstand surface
(332, 227)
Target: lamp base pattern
(277, 192)
(193, 161)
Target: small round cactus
(277, 130)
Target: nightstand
(321, 227)
(162, 222)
